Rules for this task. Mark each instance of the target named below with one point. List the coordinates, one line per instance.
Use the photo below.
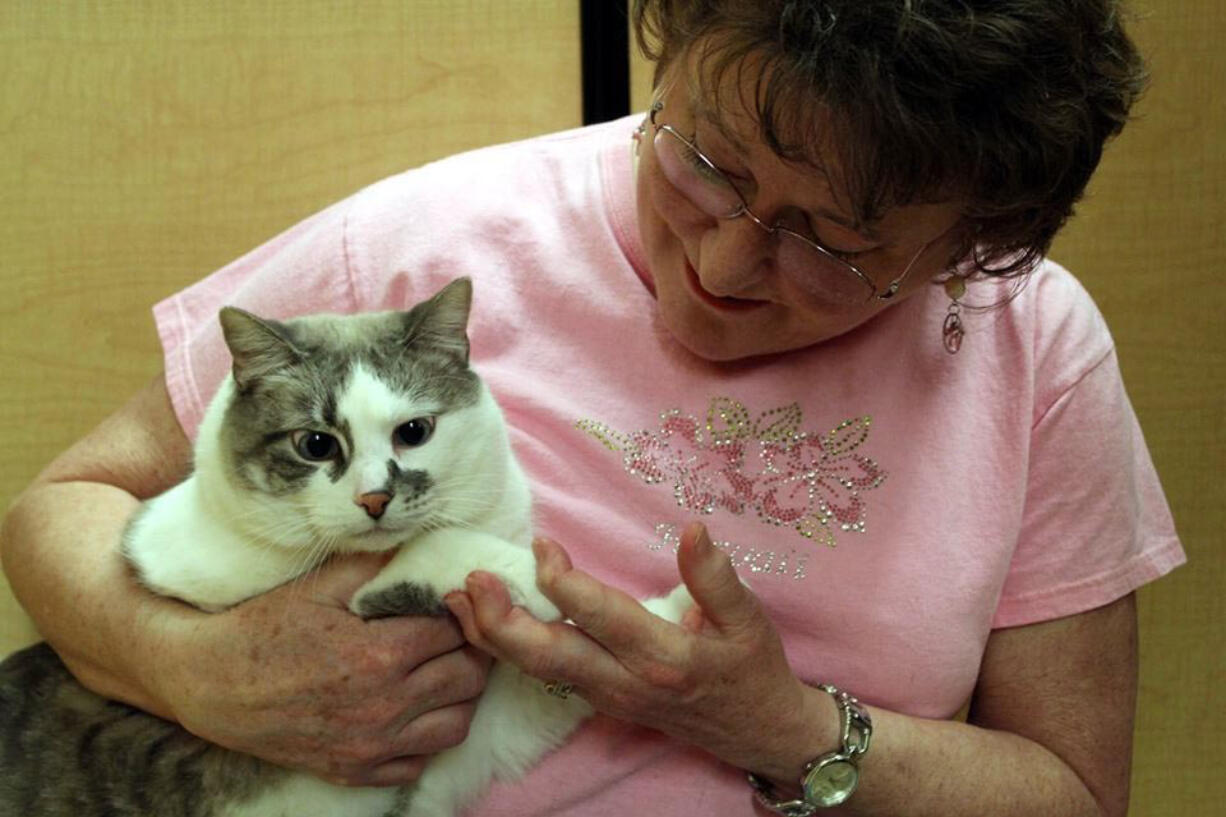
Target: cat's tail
(514, 725)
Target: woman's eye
(703, 166)
(846, 255)
(835, 246)
(315, 446)
(415, 432)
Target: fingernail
(702, 542)
(475, 591)
(485, 590)
(543, 549)
(546, 558)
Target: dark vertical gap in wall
(605, 44)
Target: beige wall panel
(144, 144)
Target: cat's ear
(442, 321)
(259, 347)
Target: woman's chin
(715, 343)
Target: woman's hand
(293, 677)
(718, 679)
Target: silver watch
(829, 779)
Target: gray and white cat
(333, 434)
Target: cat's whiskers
(321, 548)
(276, 534)
(446, 514)
(465, 491)
(460, 511)
(466, 504)
(440, 518)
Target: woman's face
(717, 285)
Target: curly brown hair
(1005, 104)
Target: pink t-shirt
(889, 502)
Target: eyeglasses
(799, 257)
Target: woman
(760, 324)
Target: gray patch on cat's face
(407, 485)
(401, 599)
(289, 376)
(259, 420)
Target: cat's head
(356, 432)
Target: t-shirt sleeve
(386, 247)
(1096, 524)
(303, 270)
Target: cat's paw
(516, 568)
(673, 606)
(401, 598)
(533, 601)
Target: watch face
(831, 782)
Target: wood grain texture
(145, 144)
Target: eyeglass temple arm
(892, 289)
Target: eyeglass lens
(707, 188)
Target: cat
(331, 434)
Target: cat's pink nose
(375, 503)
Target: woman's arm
(290, 676)
(52, 543)
(1049, 730)
(1051, 720)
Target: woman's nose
(737, 259)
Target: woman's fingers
(714, 584)
(398, 772)
(612, 617)
(545, 650)
(719, 678)
(454, 677)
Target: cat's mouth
(373, 540)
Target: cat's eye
(315, 446)
(415, 432)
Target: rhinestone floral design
(733, 461)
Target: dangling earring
(952, 332)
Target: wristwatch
(829, 779)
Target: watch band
(765, 794)
(856, 731)
(857, 725)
